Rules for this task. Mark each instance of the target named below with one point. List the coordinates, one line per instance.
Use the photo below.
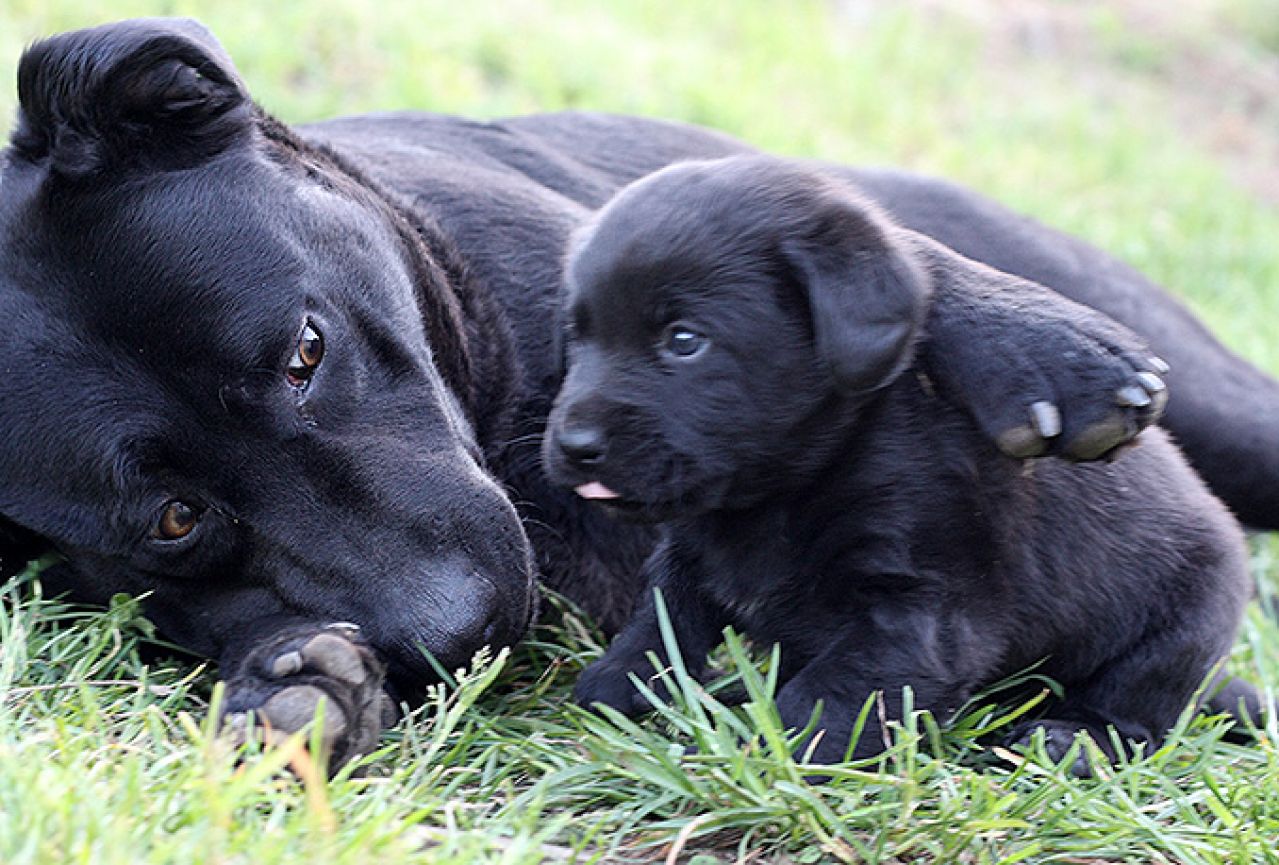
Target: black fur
(162, 239)
(158, 95)
(822, 495)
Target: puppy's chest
(772, 573)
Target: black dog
(276, 378)
(752, 360)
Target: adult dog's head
(725, 319)
(233, 376)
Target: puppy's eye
(306, 357)
(684, 342)
(177, 520)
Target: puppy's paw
(1056, 380)
(284, 680)
(1096, 404)
(608, 682)
(1059, 738)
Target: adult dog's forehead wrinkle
(398, 352)
(98, 502)
(188, 263)
(114, 406)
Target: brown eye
(307, 357)
(177, 520)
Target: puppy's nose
(583, 445)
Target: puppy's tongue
(595, 490)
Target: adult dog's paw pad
(293, 708)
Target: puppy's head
(723, 320)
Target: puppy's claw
(1158, 400)
(1132, 396)
(1031, 440)
(1159, 365)
(1151, 382)
(1046, 419)
(387, 710)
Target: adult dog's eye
(683, 342)
(306, 357)
(177, 520)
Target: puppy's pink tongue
(595, 490)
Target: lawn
(1090, 116)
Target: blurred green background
(1151, 128)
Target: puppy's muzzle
(581, 445)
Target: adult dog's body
(165, 250)
(751, 361)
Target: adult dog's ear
(867, 294)
(564, 297)
(151, 93)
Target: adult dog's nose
(581, 444)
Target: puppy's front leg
(1040, 374)
(881, 654)
(696, 621)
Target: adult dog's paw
(283, 680)
(1048, 379)
(608, 682)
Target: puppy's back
(1121, 547)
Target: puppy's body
(916, 560)
(822, 495)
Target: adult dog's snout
(455, 613)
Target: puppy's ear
(146, 93)
(867, 294)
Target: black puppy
(751, 361)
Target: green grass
(104, 759)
